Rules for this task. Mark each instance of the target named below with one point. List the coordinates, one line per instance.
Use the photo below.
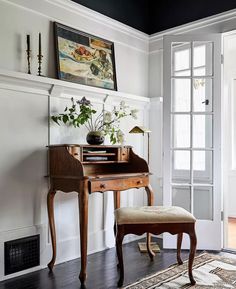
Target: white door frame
(228, 92)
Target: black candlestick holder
(40, 56)
(28, 51)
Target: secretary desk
(87, 169)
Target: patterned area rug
(209, 271)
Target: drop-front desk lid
(121, 175)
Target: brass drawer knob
(139, 182)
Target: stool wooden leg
(179, 243)
(193, 244)
(119, 240)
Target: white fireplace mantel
(27, 83)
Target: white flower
(122, 104)
(133, 113)
(107, 116)
(120, 136)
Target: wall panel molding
(219, 23)
(87, 20)
(18, 81)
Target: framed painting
(84, 58)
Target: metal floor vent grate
(21, 254)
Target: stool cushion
(152, 215)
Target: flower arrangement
(107, 123)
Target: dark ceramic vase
(95, 138)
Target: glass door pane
(181, 130)
(181, 89)
(202, 131)
(181, 166)
(202, 95)
(181, 197)
(203, 203)
(181, 59)
(202, 58)
(202, 167)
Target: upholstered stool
(155, 220)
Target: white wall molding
(68, 249)
(63, 246)
(114, 30)
(211, 20)
(100, 18)
(156, 100)
(16, 234)
(142, 41)
(27, 271)
(19, 232)
(224, 21)
(28, 83)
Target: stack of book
(96, 158)
(95, 152)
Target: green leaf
(65, 118)
(56, 119)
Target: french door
(192, 133)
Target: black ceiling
(152, 16)
(131, 12)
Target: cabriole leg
(179, 243)
(119, 240)
(83, 212)
(50, 205)
(116, 195)
(193, 244)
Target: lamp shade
(139, 129)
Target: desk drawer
(118, 184)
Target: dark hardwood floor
(101, 269)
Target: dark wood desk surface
(87, 169)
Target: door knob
(206, 101)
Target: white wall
(24, 128)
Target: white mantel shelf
(19, 81)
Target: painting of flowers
(84, 59)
